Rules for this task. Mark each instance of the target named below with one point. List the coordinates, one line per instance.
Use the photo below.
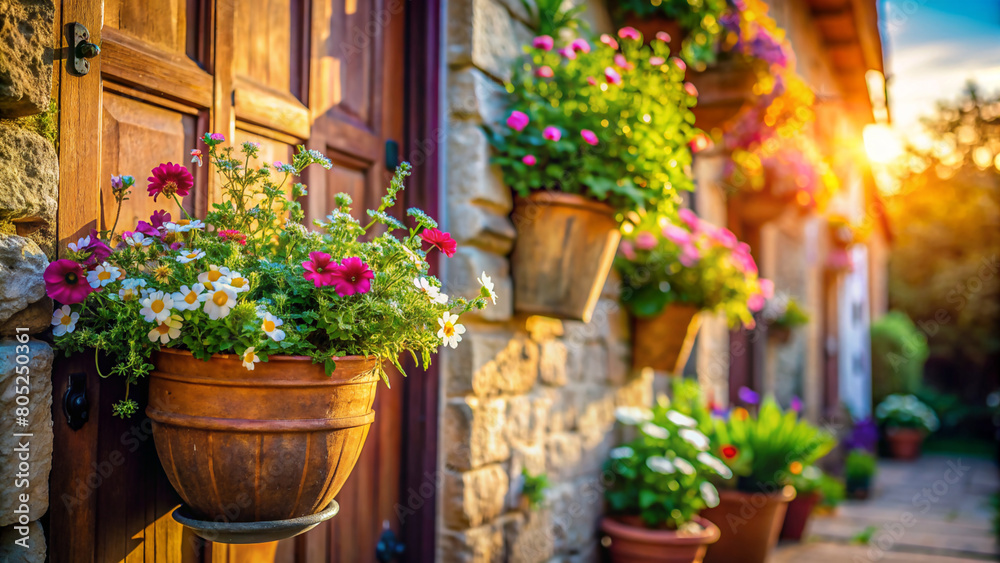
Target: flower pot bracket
(252, 532)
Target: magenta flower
(755, 303)
(796, 404)
(657, 61)
(622, 62)
(724, 236)
(589, 136)
(612, 76)
(691, 89)
(766, 288)
(645, 241)
(663, 36)
(552, 133)
(749, 396)
(146, 229)
(627, 250)
(609, 41)
(518, 120)
(592, 81)
(629, 33)
(568, 52)
(440, 240)
(690, 219)
(689, 255)
(352, 276)
(99, 251)
(529, 159)
(66, 282)
(699, 143)
(580, 45)
(544, 72)
(319, 269)
(217, 137)
(159, 218)
(170, 179)
(676, 235)
(233, 235)
(543, 42)
(679, 64)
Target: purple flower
(146, 229)
(864, 435)
(159, 218)
(749, 396)
(796, 404)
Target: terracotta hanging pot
(797, 515)
(750, 524)
(563, 253)
(905, 443)
(271, 444)
(664, 342)
(631, 542)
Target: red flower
(729, 451)
(170, 179)
(352, 276)
(439, 240)
(66, 282)
(320, 269)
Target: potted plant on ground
(593, 130)
(906, 420)
(808, 482)
(264, 341)
(661, 482)
(783, 314)
(672, 270)
(831, 494)
(859, 469)
(764, 450)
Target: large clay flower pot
(274, 443)
(633, 543)
(563, 253)
(905, 443)
(750, 524)
(664, 342)
(797, 515)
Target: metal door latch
(81, 49)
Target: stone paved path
(934, 510)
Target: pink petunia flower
(690, 219)
(529, 159)
(319, 269)
(170, 179)
(592, 81)
(543, 42)
(352, 276)
(657, 61)
(146, 229)
(99, 251)
(612, 76)
(678, 63)
(663, 36)
(677, 235)
(551, 133)
(233, 235)
(622, 62)
(629, 33)
(755, 303)
(439, 240)
(724, 236)
(589, 136)
(544, 72)
(691, 89)
(518, 120)
(645, 241)
(609, 41)
(580, 46)
(66, 282)
(627, 250)
(159, 218)
(689, 255)
(568, 52)
(766, 288)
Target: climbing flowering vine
(251, 281)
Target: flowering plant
(906, 411)
(663, 475)
(251, 280)
(784, 311)
(607, 120)
(689, 262)
(700, 19)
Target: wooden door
(326, 74)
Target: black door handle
(76, 407)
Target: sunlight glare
(882, 144)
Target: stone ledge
(29, 183)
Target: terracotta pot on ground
(664, 342)
(633, 543)
(797, 515)
(750, 524)
(563, 253)
(274, 443)
(905, 443)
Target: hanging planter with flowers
(692, 28)
(594, 130)
(673, 270)
(264, 341)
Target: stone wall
(519, 393)
(28, 185)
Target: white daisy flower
(681, 419)
(64, 320)
(238, 282)
(655, 431)
(213, 275)
(684, 466)
(218, 301)
(156, 307)
(487, 289)
(633, 415)
(250, 358)
(451, 332)
(191, 256)
(103, 275)
(184, 225)
(80, 244)
(695, 438)
(622, 452)
(432, 292)
(715, 463)
(195, 225)
(167, 330)
(709, 493)
(660, 464)
(187, 299)
(137, 240)
(132, 288)
(270, 327)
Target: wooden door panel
(164, 23)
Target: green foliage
(664, 261)
(793, 315)
(700, 19)
(831, 491)
(534, 488)
(550, 17)
(45, 124)
(899, 351)
(771, 445)
(663, 475)
(906, 411)
(807, 480)
(864, 536)
(636, 108)
(860, 464)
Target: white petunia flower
(219, 301)
(191, 256)
(156, 307)
(103, 275)
(80, 244)
(133, 288)
(655, 431)
(709, 493)
(64, 320)
(681, 419)
(487, 289)
(622, 452)
(694, 437)
(238, 282)
(633, 415)
(215, 274)
(250, 358)
(684, 466)
(715, 463)
(167, 330)
(270, 327)
(187, 299)
(137, 240)
(451, 332)
(433, 293)
(660, 464)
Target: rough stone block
(471, 93)
(26, 51)
(595, 363)
(529, 537)
(22, 264)
(523, 458)
(484, 544)
(15, 553)
(482, 227)
(552, 363)
(564, 452)
(577, 508)
(37, 356)
(37, 317)
(489, 364)
(474, 432)
(475, 497)
(29, 182)
(483, 33)
(464, 270)
(527, 416)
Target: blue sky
(932, 47)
